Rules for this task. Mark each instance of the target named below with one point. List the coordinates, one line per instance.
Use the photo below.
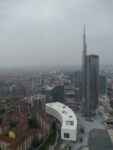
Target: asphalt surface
(99, 140)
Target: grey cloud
(50, 31)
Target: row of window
(70, 123)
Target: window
(64, 112)
(71, 123)
(66, 135)
(67, 123)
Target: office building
(58, 93)
(90, 82)
(67, 119)
(54, 93)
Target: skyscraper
(84, 83)
(90, 82)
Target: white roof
(69, 120)
(49, 87)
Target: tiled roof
(22, 139)
(6, 139)
(5, 121)
(22, 122)
(43, 114)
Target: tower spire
(84, 41)
(84, 29)
(84, 72)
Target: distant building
(102, 85)
(23, 107)
(54, 93)
(48, 93)
(28, 85)
(36, 101)
(29, 103)
(58, 93)
(70, 96)
(110, 89)
(71, 78)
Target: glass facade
(92, 84)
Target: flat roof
(69, 120)
(99, 140)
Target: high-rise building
(84, 83)
(58, 93)
(90, 82)
(54, 93)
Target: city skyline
(49, 32)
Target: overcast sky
(49, 32)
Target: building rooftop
(26, 135)
(67, 116)
(6, 139)
(43, 114)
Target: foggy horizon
(49, 32)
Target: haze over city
(56, 75)
(49, 32)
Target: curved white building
(67, 119)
